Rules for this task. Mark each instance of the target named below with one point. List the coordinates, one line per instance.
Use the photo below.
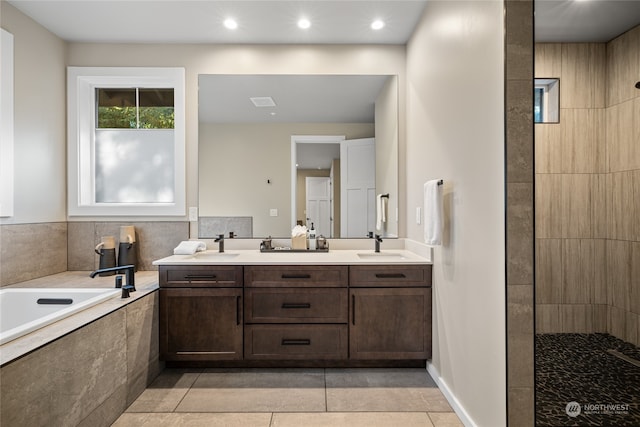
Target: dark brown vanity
(295, 315)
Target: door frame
(305, 139)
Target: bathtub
(23, 310)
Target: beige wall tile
(548, 271)
(619, 273)
(617, 322)
(631, 327)
(581, 269)
(634, 281)
(521, 406)
(29, 251)
(599, 211)
(600, 315)
(520, 356)
(576, 318)
(623, 63)
(634, 215)
(548, 146)
(621, 222)
(547, 205)
(548, 319)
(575, 205)
(548, 61)
(80, 254)
(580, 84)
(624, 153)
(520, 266)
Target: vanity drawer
(296, 305)
(200, 276)
(390, 275)
(296, 275)
(295, 342)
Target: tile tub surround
(292, 397)
(87, 370)
(28, 251)
(153, 239)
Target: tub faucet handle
(126, 290)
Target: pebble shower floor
(579, 382)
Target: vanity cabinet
(201, 313)
(296, 315)
(390, 315)
(296, 312)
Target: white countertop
(333, 257)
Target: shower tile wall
(588, 190)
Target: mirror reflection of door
(318, 204)
(358, 186)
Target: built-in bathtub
(23, 310)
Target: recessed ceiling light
(377, 24)
(230, 23)
(304, 23)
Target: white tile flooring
(291, 397)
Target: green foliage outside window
(117, 109)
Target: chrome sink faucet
(378, 240)
(220, 241)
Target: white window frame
(81, 113)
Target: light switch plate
(418, 215)
(193, 213)
(273, 212)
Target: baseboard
(451, 398)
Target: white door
(318, 204)
(357, 187)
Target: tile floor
(291, 397)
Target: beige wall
(455, 131)
(236, 160)
(386, 134)
(587, 166)
(39, 121)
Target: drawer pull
(286, 341)
(296, 276)
(296, 305)
(390, 275)
(353, 309)
(200, 277)
(237, 310)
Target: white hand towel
(381, 211)
(433, 215)
(189, 247)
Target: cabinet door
(390, 323)
(201, 324)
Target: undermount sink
(383, 255)
(216, 255)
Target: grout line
(271, 420)
(187, 392)
(326, 406)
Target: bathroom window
(546, 101)
(126, 141)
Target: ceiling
(298, 98)
(267, 21)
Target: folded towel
(381, 211)
(433, 215)
(189, 247)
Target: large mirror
(281, 150)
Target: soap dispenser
(312, 238)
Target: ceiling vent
(263, 101)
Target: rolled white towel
(189, 247)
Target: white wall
(39, 121)
(455, 132)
